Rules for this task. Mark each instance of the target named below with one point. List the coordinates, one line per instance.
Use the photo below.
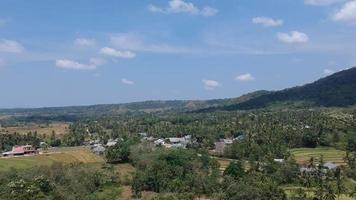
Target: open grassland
(62, 155)
(46, 129)
(303, 155)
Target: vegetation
(65, 156)
(264, 161)
(57, 181)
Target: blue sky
(57, 53)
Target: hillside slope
(338, 89)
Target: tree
(235, 169)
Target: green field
(303, 155)
(62, 155)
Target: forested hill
(72, 113)
(338, 89)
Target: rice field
(62, 155)
(46, 129)
(303, 155)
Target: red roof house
(20, 150)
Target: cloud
(245, 77)
(116, 53)
(347, 13)
(74, 65)
(85, 42)
(328, 71)
(321, 2)
(127, 82)
(293, 37)
(136, 42)
(11, 46)
(181, 6)
(267, 21)
(210, 84)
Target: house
(142, 134)
(308, 170)
(330, 166)
(159, 142)
(239, 138)
(219, 147)
(180, 142)
(111, 142)
(99, 150)
(227, 141)
(278, 160)
(21, 150)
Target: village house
(99, 149)
(111, 142)
(21, 150)
(221, 145)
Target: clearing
(62, 155)
(303, 155)
(58, 128)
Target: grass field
(303, 155)
(58, 128)
(62, 155)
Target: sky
(61, 53)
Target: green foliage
(235, 169)
(176, 170)
(119, 152)
(55, 182)
(251, 187)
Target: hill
(73, 113)
(336, 90)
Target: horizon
(93, 53)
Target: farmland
(41, 129)
(303, 155)
(62, 155)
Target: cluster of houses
(98, 148)
(173, 142)
(328, 166)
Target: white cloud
(267, 21)
(181, 6)
(11, 46)
(347, 13)
(245, 77)
(84, 42)
(328, 71)
(136, 42)
(71, 64)
(210, 84)
(116, 53)
(293, 37)
(321, 2)
(127, 82)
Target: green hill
(337, 90)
